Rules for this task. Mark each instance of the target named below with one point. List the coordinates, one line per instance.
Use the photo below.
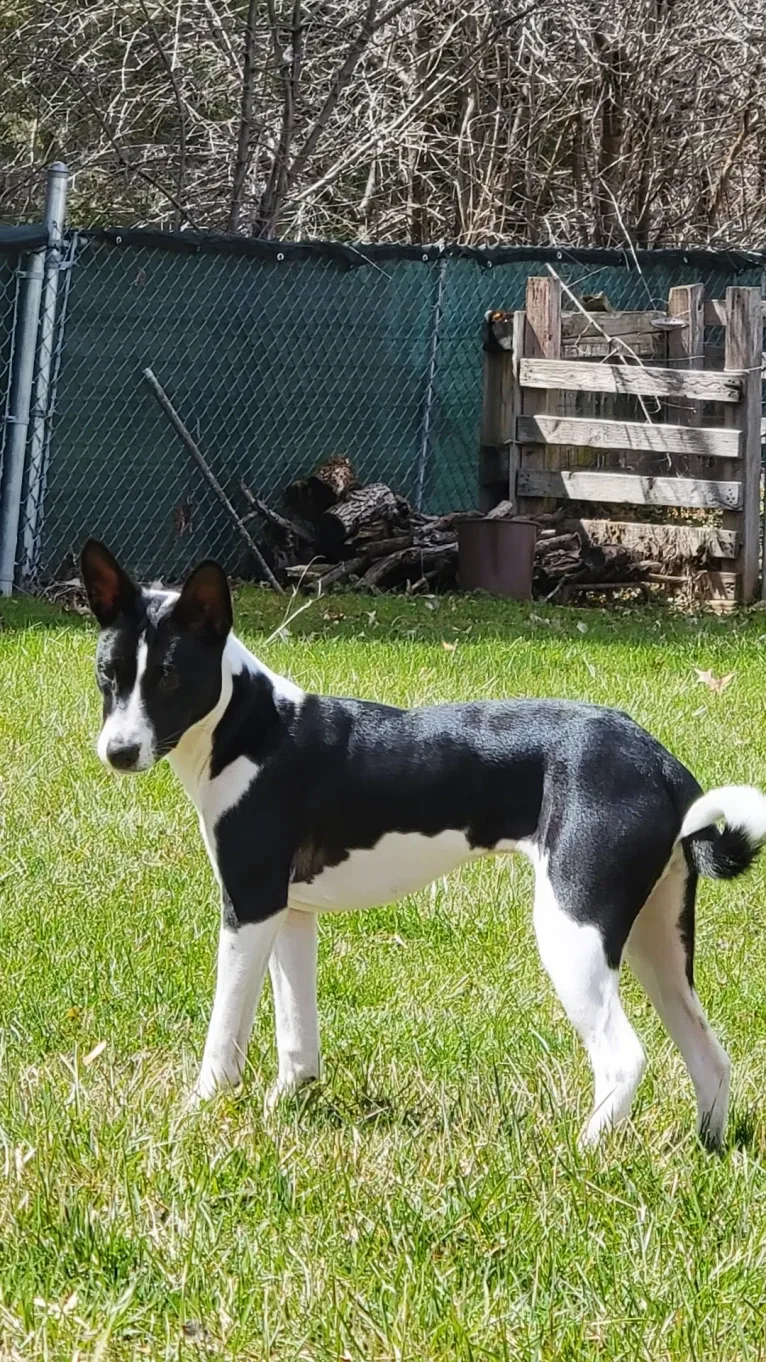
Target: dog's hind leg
(660, 952)
(293, 969)
(574, 956)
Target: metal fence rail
(275, 356)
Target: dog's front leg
(293, 969)
(243, 955)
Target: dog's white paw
(211, 1081)
(289, 1085)
(192, 1103)
(591, 1135)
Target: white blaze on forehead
(128, 724)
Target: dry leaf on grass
(714, 683)
(448, 647)
(191, 1328)
(93, 1054)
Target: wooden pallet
(693, 439)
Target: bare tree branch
(481, 120)
(178, 97)
(245, 132)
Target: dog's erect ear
(109, 590)
(205, 602)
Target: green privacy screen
(277, 356)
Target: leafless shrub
(403, 120)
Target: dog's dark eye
(168, 681)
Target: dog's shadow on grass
(744, 1133)
(321, 1106)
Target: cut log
(381, 548)
(372, 533)
(306, 572)
(607, 586)
(440, 522)
(501, 511)
(310, 497)
(559, 541)
(340, 523)
(412, 557)
(341, 573)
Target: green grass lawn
(428, 1200)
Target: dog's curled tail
(723, 853)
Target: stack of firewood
(338, 532)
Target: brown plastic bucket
(497, 556)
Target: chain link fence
(9, 290)
(275, 356)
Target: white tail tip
(740, 806)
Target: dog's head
(159, 658)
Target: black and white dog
(311, 804)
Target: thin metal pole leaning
(425, 436)
(209, 475)
(55, 217)
(18, 414)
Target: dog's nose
(123, 756)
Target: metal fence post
(21, 390)
(433, 349)
(762, 560)
(55, 215)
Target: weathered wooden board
(498, 411)
(633, 435)
(744, 340)
(630, 489)
(722, 589)
(686, 350)
(632, 380)
(541, 340)
(715, 312)
(648, 349)
(576, 325)
(648, 540)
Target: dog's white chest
(401, 863)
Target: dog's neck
(190, 758)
